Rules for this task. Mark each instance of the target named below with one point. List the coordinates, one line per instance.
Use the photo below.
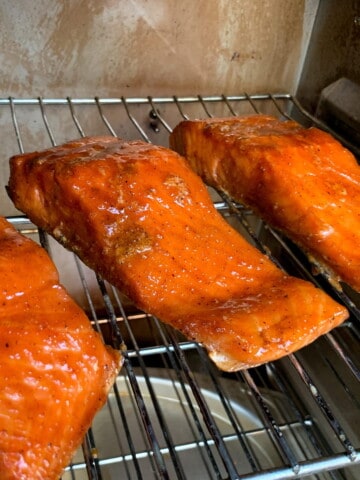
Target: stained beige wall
(159, 47)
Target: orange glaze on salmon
(140, 216)
(55, 372)
(300, 180)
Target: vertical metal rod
(71, 471)
(280, 385)
(43, 236)
(16, 125)
(134, 121)
(159, 116)
(283, 445)
(226, 101)
(104, 119)
(181, 111)
(252, 103)
(91, 457)
(86, 290)
(74, 117)
(128, 435)
(203, 104)
(323, 405)
(281, 110)
(46, 122)
(343, 355)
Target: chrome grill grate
(172, 414)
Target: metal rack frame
(294, 410)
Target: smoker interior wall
(158, 47)
(334, 50)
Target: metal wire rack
(171, 413)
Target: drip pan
(121, 448)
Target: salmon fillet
(300, 180)
(55, 372)
(138, 215)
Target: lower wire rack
(171, 413)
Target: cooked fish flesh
(55, 371)
(300, 180)
(139, 216)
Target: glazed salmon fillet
(139, 216)
(55, 372)
(300, 180)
